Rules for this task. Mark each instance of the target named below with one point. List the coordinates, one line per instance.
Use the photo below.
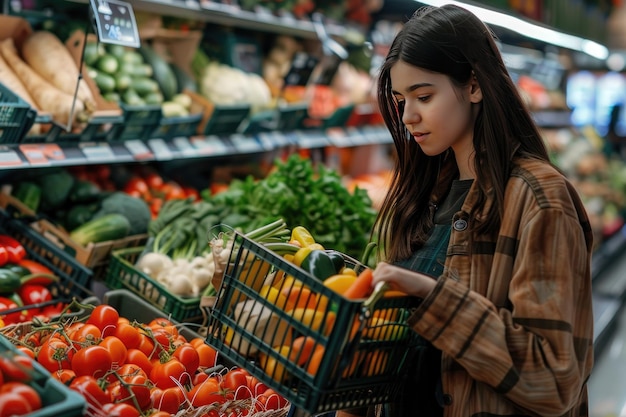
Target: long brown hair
(452, 41)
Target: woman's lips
(420, 137)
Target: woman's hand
(402, 279)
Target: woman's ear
(476, 94)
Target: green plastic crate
(362, 363)
(56, 399)
(173, 127)
(123, 274)
(138, 123)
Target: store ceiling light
(530, 30)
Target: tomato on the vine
(65, 376)
(55, 354)
(105, 318)
(16, 367)
(120, 410)
(116, 348)
(207, 392)
(131, 388)
(167, 374)
(128, 334)
(87, 334)
(236, 382)
(89, 388)
(207, 355)
(189, 357)
(13, 404)
(92, 360)
(138, 358)
(274, 401)
(168, 399)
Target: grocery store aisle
(607, 385)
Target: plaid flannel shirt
(513, 314)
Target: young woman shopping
(480, 225)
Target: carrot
(362, 287)
(48, 97)
(302, 348)
(50, 58)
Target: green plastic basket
(16, 116)
(74, 278)
(173, 127)
(123, 274)
(56, 398)
(138, 123)
(361, 361)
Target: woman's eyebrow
(414, 87)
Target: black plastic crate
(360, 349)
(173, 127)
(74, 278)
(16, 116)
(138, 123)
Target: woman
(482, 227)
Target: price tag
(246, 144)
(215, 146)
(371, 134)
(98, 152)
(312, 140)
(266, 141)
(301, 69)
(356, 137)
(138, 149)
(184, 146)
(338, 137)
(8, 157)
(115, 22)
(160, 149)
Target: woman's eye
(423, 98)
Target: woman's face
(438, 114)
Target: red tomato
(116, 348)
(274, 401)
(138, 358)
(207, 354)
(236, 382)
(89, 388)
(164, 375)
(13, 404)
(160, 414)
(85, 335)
(257, 387)
(132, 388)
(35, 267)
(137, 185)
(65, 376)
(208, 392)
(120, 410)
(105, 318)
(169, 399)
(34, 294)
(128, 334)
(154, 181)
(6, 304)
(188, 355)
(25, 391)
(26, 350)
(55, 354)
(92, 361)
(16, 367)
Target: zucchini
(28, 193)
(163, 73)
(108, 64)
(105, 82)
(108, 227)
(144, 86)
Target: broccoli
(134, 209)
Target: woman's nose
(410, 115)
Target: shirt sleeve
(537, 352)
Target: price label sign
(138, 149)
(8, 157)
(115, 22)
(160, 149)
(301, 69)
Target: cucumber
(105, 82)
(144, 86)
(122, 81)
(118, 51)
(173, 109)
(108, 227)
(153, 98)
(163, 73)
(131, 57)
(93, 51)
(113, 96)
(131, 98)
(136, 70)
(108, 64)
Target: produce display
(124, 367)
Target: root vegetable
(48, 97)
(153, 264)
(51, 59)
(11, 81)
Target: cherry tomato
(147, 346)
(25, 391)
(189, 356)
(166, 374)
(130, 389)
(105, 318)
(55, 354)
(13, 404)
(92, 361)
(65, 376)
(116, 348)
(236, 382)
(89, 388)
(169, 399)
(208, 392)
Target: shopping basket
(359, 350)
